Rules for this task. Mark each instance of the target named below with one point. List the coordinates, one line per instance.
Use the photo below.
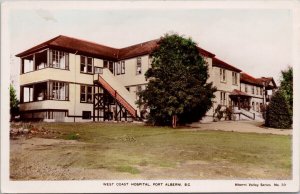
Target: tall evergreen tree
(278, 114)
(177, 90)
(286, 85)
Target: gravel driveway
(240, 126)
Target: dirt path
(239, 126)
(53, 159)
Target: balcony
(34, 94)
(46, 58)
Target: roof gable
(268, 81)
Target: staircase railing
(114, 93)
(249, 114)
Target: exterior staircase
(109, 83)
(243, 114)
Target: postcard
(149, 96)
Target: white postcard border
(97, 185)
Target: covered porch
(240, 99)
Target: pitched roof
(268, 81)
(147, 48)
(205, 52)
(138, 49)
(218, 63)
(73, 44)
(246, 78)
(95, 49)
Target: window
(44, 59)
(257, 90)
(51, 90)
(246, 88)
(59, 91)
(27, 94)
(234, 78)
(122, 67)
(260, 91)
(40, 59)
(59, 59)
(223, 98)
(252, 89)
(86, 114)
(86, 64)
(109, 65)
(222, 75)
(138, 66)
(86, 93)
(27, 64)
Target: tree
(286, 85)
(177, 91)
(278, 114)
(14, 102)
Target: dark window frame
(85, 92)
(123, 67)
(56, 53)
(87, 115)
(58, 84)
(84, 62)
(234, 78)
(138, 65)
(222, 75)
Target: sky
(257, 41)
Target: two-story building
(67, 79)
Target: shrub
(72, 136)
(278, 112)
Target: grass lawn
(135, 148)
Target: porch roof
(236, 92)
